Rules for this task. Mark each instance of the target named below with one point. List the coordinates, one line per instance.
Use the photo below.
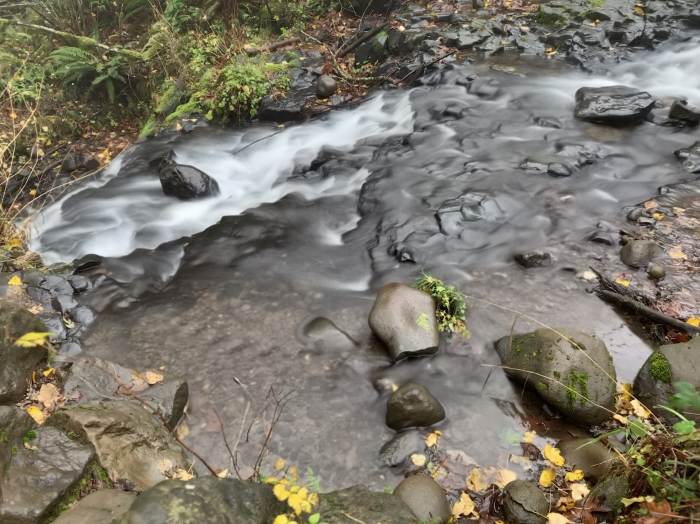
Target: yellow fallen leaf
(432, 439)
(14, 281)
(553, 455)
(623, 282)
(694, 321)
(639, 409)
(676, 253)
(573, 476)
(182, 474)
(32, 339)
(547, 477)
(36, 413)
(628, 502)
(182, 431)
(504, 477)
(464, 507)
(579, 490)
(418, 459)
(15, 242)
(529, 437)
(293, 472)
(658, 216)
(565, 504)
(279, 464)
(48, 372)
(622, 420)
(475, 480)
(556, 518)
(153, 378)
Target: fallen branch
(252, 51)
(352, 46)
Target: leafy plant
(451, 309)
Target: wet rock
(530, 259)
(404, 319)
(80, 283)
(465, 39)
(590, 455)
(206, 500)
(454, 215)
(586, 368)
(607, 494)
(360, 7)
(425, 498)
(399, 448)
(656, 271)
(412, 405)
(103, 506)
(635, 214)
(347, 506)
(185, 182)
(524, 503)
(92, 378)
(33, 481)
(613, 105)
(131, 443)
(601, 236)
(373, 50)
(17, 363)
(683, 111)
(547, 164)
(79, 160)
(325, 334)
(690, 157)
(290, 108)
(325, 86)
(670, 364)
(638, 253)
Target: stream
(269, 284)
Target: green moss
(577, 387)
(95, 478)
(551, 17)
(29, 436)
(149, 128)
(659, 368)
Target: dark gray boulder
(101, 507)
(373, 50)
(638, 253)
(524, 503)
(613, 105)
(358, 504)
(131, 443)
(17, 363)
(325, 86)
(397, 450)
(530, 259)
(563, 373)
(38, 467)
(670, 364)
(185, 182)
(425, 498)
(412, 405)
(683, 111)
(690, 157)
(207, 500)
(92, 378)
(590, 455)
(404, 319)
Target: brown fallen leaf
(49, 396)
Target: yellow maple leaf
(529, 437)
(676, 253)
(547, 477)
(279, 464)
(153, 377)
(556, 518)
(32, 339)
(464, 507)
(418, 459)
(553, 455)
(504, 477)
(36, 413)
(573, 476)
(182, 474)
(579, 490)
(694, 321)
(432, 439)
(475, 480)
(48, 372)
(14, 281)
(622, 420)
(658, 216)
(624, 282)
(639, 409)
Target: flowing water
(269, 284)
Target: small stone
(638, 253)
(609, 492)
(590, 455)
(524, 503)
(635, 214)
(425, 498)
(656, 271)
(531, 259)
(412, 405)
(185, 182)
(325, 86)
(681, 110)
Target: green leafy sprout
(451, 308)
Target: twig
(238, 439)
(350, 48)
(196, 455)
(223, 435)
(252, 51)
(280, 404)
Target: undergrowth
(451, 309)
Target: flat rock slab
(101, 507)
(613, 105)
(131, 443)
(358, 504)
(35, 480)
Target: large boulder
(412, 405)
(425, 497)
(17, 363)
(185, 182)
(524, 503)
(576, 378)
(207, 500)
(638, 253)
(613, 105)
(358, 504)
(101, 507)
(683, 111)
(690, 157)
(39, 466)
(404, 319)
(92, 378)
(131, 443)
(668, 365)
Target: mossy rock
(358, 504)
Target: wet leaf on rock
(153, 377)
(475, 480)
(579, 491)
(433, 438)
(36, 413)
(464, 507)
(33, 339)
(419, 459)
(547, 477)
(574, 476)
(556, 518)
(553, 455)
(49, 396)
(15, 281)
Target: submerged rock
(544, 359)
(185, 182)
(638, 253)
(613, 105)
(524, 503)
(404, 319)
(412, 405)
(590, 455)
(425, 498)
(683, 111)
(103, 506)
(668, 365)
(131, 443)
(17, 363)
(207, 500)
(399, 448)
(530, 259)
(348, 506)
(690, 157)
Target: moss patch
(95, 478)
(577, 387)
(659, 368)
